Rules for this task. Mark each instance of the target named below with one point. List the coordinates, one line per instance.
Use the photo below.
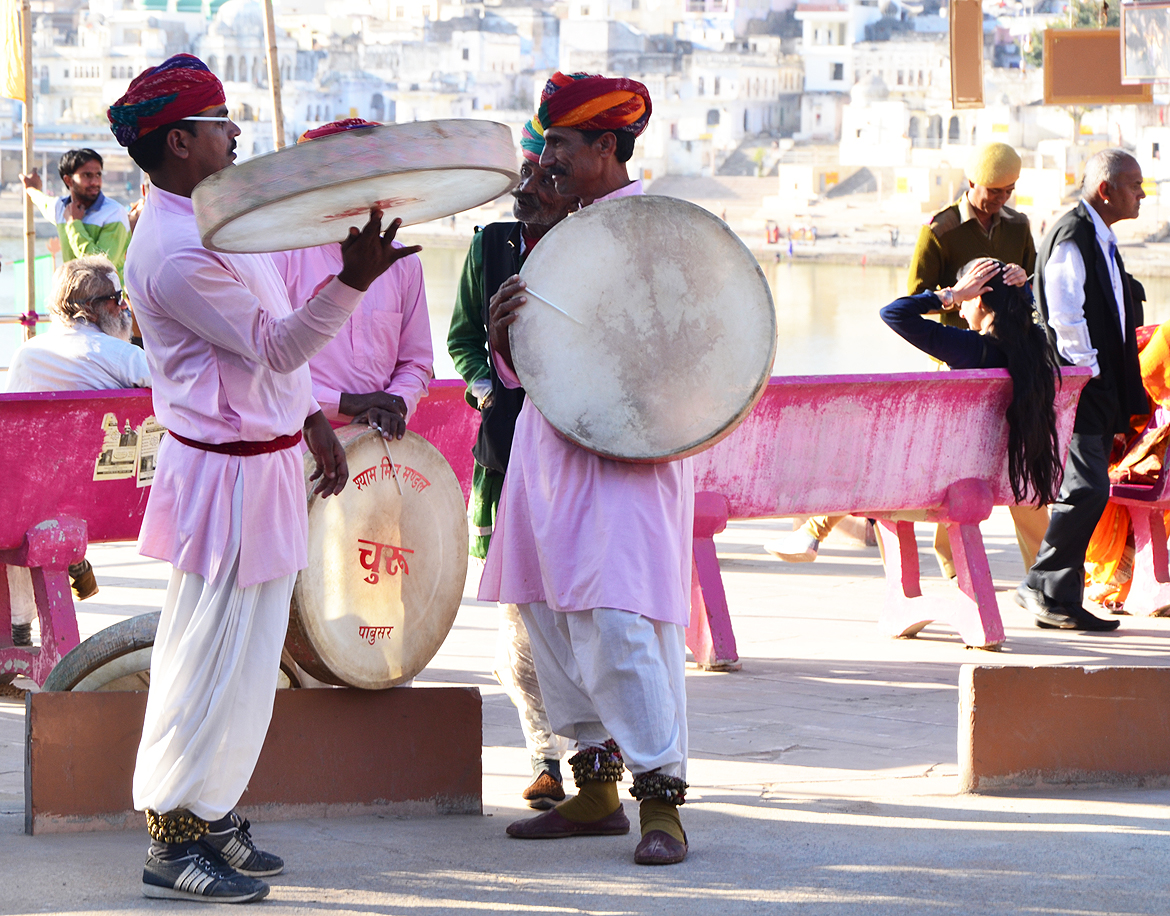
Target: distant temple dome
(240, 18)
(869, 89)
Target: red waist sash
(242, 448)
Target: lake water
(827, 314)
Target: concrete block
(1022, 727)
(328, 753)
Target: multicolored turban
(335, 127)
(588, 101)
(532, 139)
(178, 88)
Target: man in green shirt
(87, 221)
(496, 253)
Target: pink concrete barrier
(898, 448)
(70, 480)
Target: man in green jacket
(977, 225)
(496, 253)
(87, 221)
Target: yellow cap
(995, 165)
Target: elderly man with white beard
(87, 347)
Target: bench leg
(904, 613)
(1149, 594)
(973, 613)
(976, 618)
(709, 636)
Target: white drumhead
(311, 193)
(672, 331)
(386, 569)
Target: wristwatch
(948, 298)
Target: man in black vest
(1092, 308)
(496, 253)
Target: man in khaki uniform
(979, 225)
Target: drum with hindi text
(649, 331)
(387, 564)
(310, 194)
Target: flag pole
(30, 317)
(273, 74)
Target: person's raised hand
(974, 282)
(1015, 275)
(367, 253)
(32, 181)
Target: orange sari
(1138, 457)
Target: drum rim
(760, 384)
(208, 237)
(209, 193)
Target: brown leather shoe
(659, 848)
(83, 580)
(553, 826)
(544, 792)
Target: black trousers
(1059, 570)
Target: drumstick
(393, 466)
(528, 291)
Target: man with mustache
(378, 366)
(227, 355)
(87, 347)
(596, 552)
(495, 254)
(87, 221)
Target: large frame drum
(649, 331)
(387, 564)
(311, 193)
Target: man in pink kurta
(379, 365)
(596, 552)
(227, 357)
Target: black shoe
(22, 634)
(1060, 617)
(233, 843)
(198, 874)
(1074, 618)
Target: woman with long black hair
(993, 298)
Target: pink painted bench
(1149, 590)
(51, 506)
(899, 448)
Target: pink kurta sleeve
(225, 313)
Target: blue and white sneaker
(198, 875)
(234, 845)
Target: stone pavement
(823, 780)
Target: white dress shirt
(1064, 291)
(77, 358)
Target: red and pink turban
(586, 101)
(335, 127)
(178, 88)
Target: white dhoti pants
(213, 677)
(615, 674)
(517, 675)
(21, 598)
